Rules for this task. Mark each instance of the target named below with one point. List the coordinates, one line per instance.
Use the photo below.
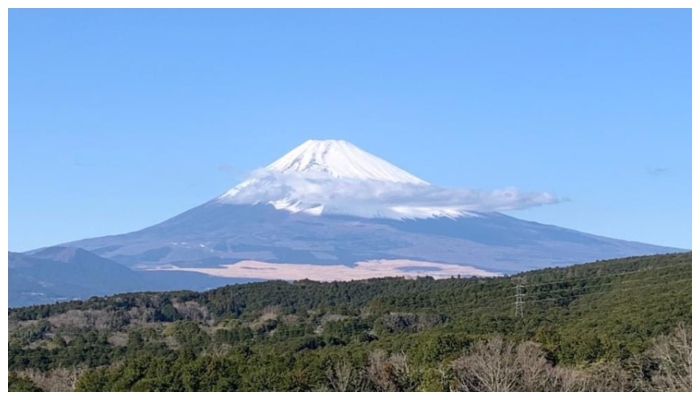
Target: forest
(614, 325)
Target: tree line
(610, 325)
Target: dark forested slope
(597, 326)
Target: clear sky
(119, 119)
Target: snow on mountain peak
(336, 177)
(340, 159)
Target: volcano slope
(330, 203)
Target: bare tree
(489, 367)
(536, 374)
(219, 350)
(192, 310)
(56, 380)
(673, 353)
(569, 380)
(340, 376)
(500, 366)
(377, 371)
(607, 376)
(390, 374)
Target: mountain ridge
(62, 273)
(257, 232)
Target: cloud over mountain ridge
(336, 177)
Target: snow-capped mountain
(328, 210)
(335, 177)
(340, 159)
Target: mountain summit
(340, 159)
(336, 177)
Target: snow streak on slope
(340, 159)
(336, 177)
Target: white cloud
(368, 198)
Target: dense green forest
(617, 325)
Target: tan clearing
(362, 270)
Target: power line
(505, 305)
(607, 284)
(575, 279)
(604, 276)
(618, 290)
(573, 288)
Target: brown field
(362, 270)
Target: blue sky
(119, 119)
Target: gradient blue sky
(119, 119)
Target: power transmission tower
(519, 295)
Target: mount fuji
(334, 177)
(328, 210)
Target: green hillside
(608, 325)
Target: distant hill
(66, 273)
(62, 273)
